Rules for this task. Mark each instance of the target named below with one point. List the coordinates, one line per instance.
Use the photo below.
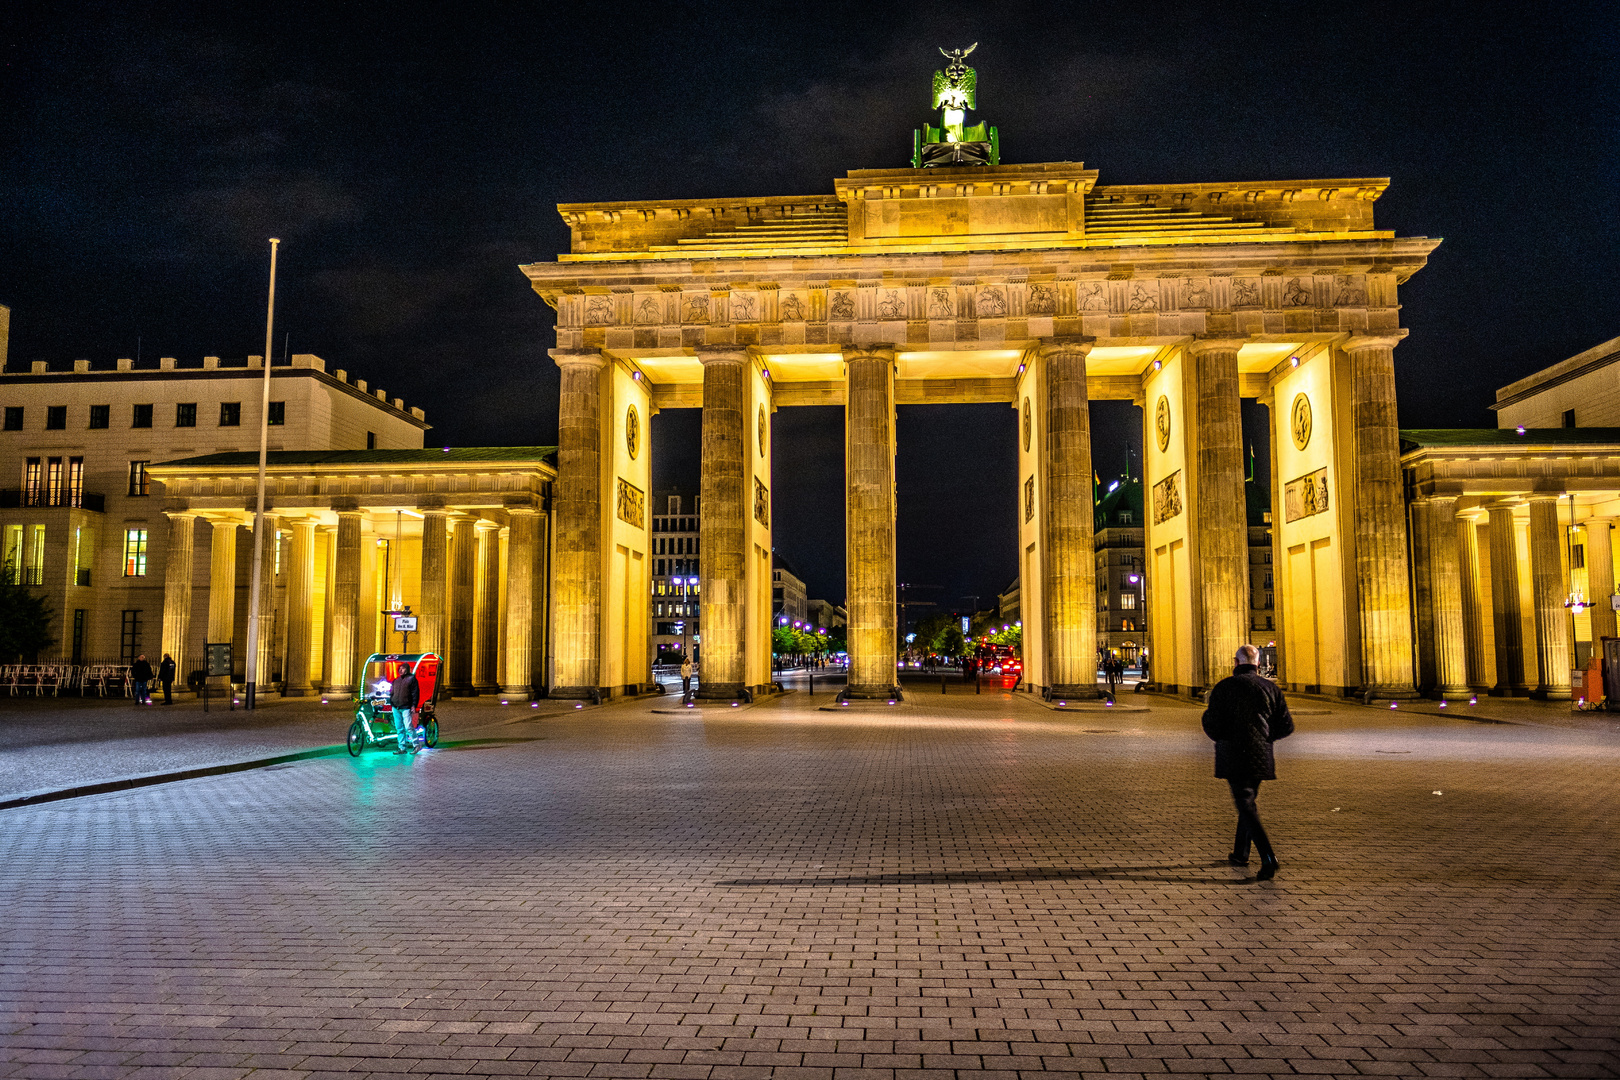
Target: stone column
(345, 601)
(1423, 591)
(1446, 599)
(1068, 556)
(868, 523)
(1550, 588)
(265, 637)
(459, 647)
(435, 566)
(723, 529)
(177, 570)
(222, 583)
(1218, 517)
(1380, 519)
(486, 635)
(1599, 581)
(300, 571)
(523, 534)
(1505, 604)
(1473, 605)
(577, 607)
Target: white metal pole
(258, 515)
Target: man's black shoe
(1268, 870)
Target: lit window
(1127, 601)
(137, 478)
(134, 552)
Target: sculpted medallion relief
(632, 432)
(1299, 421)
(763, 425)
(1028, 425)
(1161, 422)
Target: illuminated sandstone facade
(1030, 285)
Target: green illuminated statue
(954, 142)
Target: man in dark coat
(140, 673)
(166, 677)
(1246, 714)
(403, 696)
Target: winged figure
(956, 87)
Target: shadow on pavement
(1026, 873)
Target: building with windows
(825, 615)
(78, 517)
(790, 602)
(1121, 590)
(677, 515)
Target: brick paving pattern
(969, 886)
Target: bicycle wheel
(357, 738)
(430, 733)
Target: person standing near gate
(686, 679)
(140, 673)
(166, 677)
(403, 696)
(1246, 714)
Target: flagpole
(253, 672)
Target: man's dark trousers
(1244, 792)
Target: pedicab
(374, 717)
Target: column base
(485, 691)
(1553, 693)
(1452, 693)
(719, 692)
(571, 693)
(298, 691)
(1074, 691)
(1370, 694)
(871, 693)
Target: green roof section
(1124, 494)
(450, 455)
(1439, 438)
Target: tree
(25, 623)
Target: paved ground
(968, 884)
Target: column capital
(1363, 342)
(1213, 344)
(176, 515)
(721, 354)
(868, 352)
(1065, 343)
(1543, 497)
(486, 525)
(589, 358)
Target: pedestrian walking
(1246, 714)
(686, 679)
(1109, 673)
(403, 696)
(166, 677)
(140, 673)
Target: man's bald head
(1248, 654)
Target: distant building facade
(789, 600)
(1582, 391)
(825, 615)
(676, 517)
(81, 520)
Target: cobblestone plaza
(962, 885)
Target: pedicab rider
(403, 696)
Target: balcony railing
(11, 498)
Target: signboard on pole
(219, 657)
(405, 624)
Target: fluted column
(723, 528)
(1218, 520)
(300, 571)
(459, 647)
(486, 636)
(435, 566)
(1380, 519)
(1423, 591)
(345, 601)
(177, 571)
(577, 606)
(222, 583)
(1509, 624)
(1549, 589)
(1069, 557)
(1473, 603)
(868, 523)
(1446, 599)
(265, 637)
(1599, 581)
(522, 535)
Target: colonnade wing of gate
(1337, 520)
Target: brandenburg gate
(1030, 285)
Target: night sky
(410, 159)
